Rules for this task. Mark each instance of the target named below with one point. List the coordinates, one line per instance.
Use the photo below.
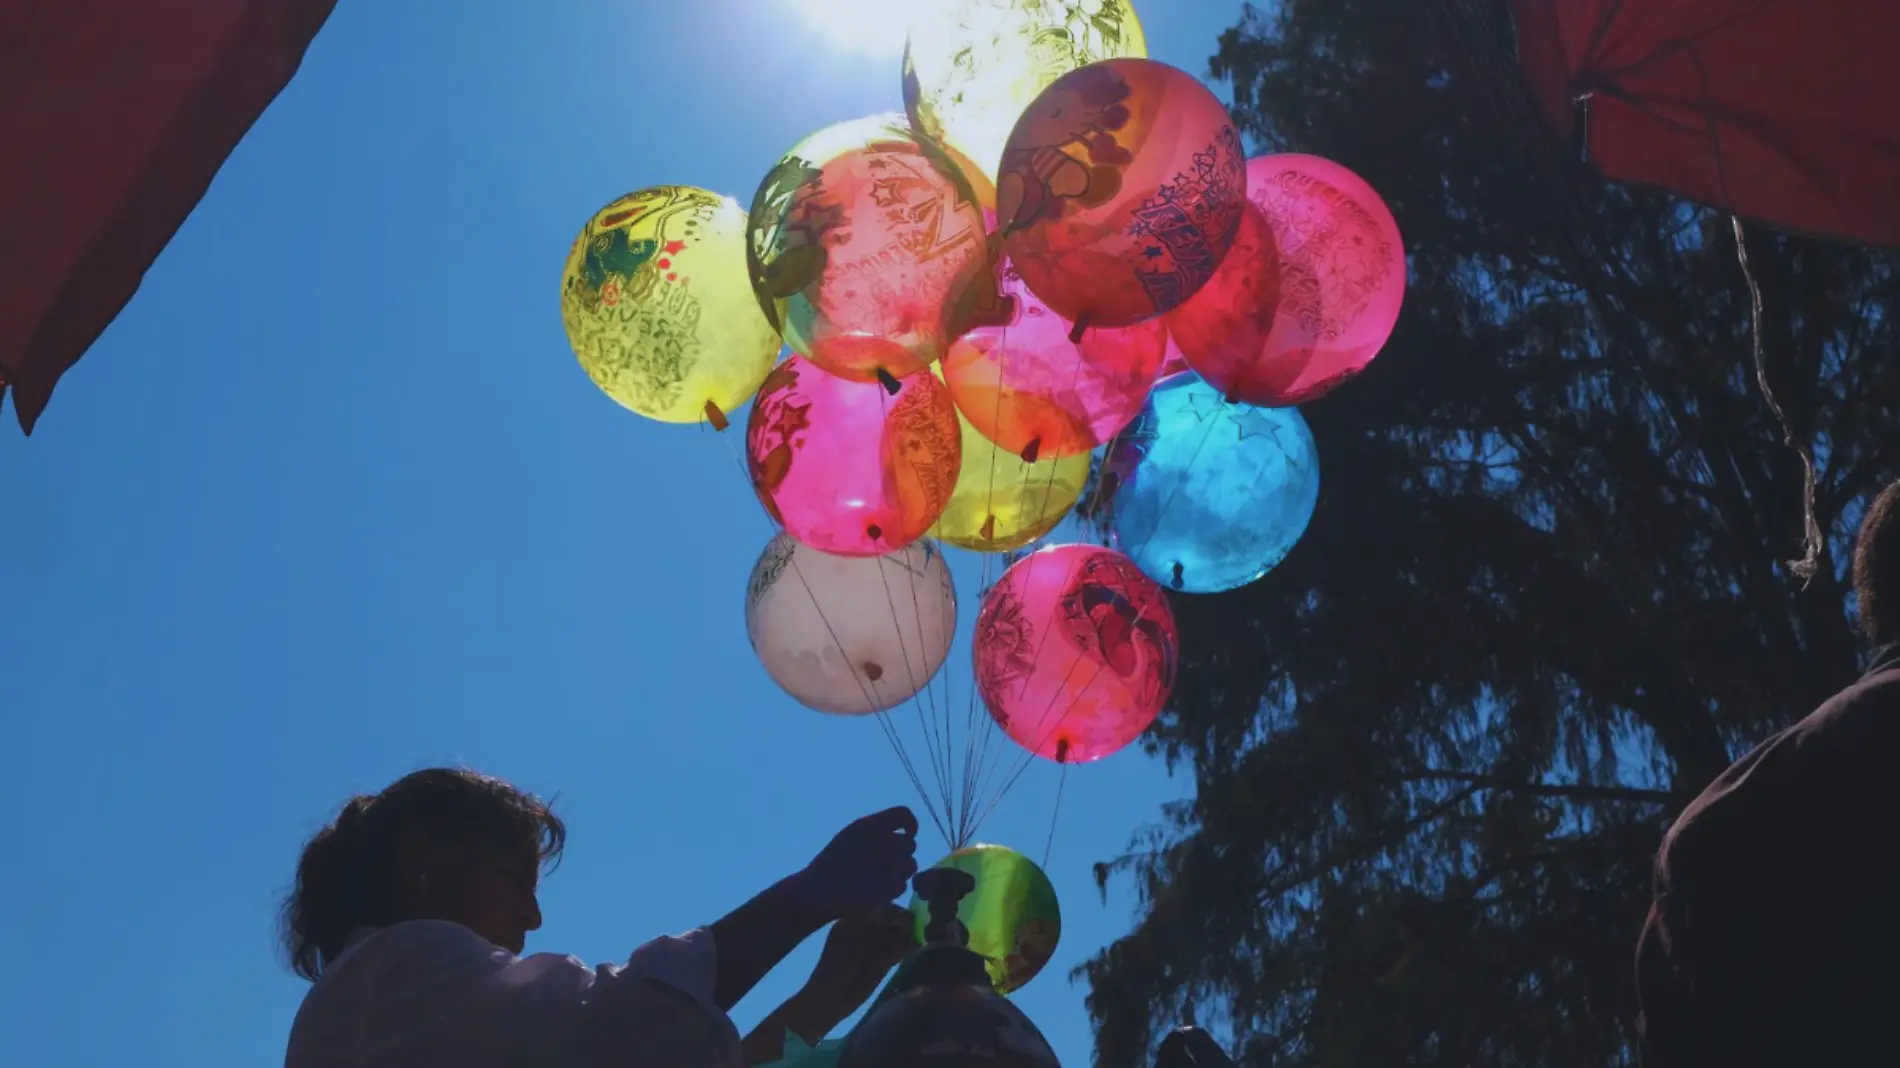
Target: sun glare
(859, 27)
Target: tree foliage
(1544, 599)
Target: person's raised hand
(859, 952)
(867, 865)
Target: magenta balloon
(1076, 652)
(1027, 386)
(1339, 286)
(845, 466)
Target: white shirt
(434, 994)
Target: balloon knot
(875, 532)
(1062, 750)
(1032, 450)
(1081, 327)
(891, 384)
(989, 529)
(1178, 569)
(716, 417)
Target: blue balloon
(1208, 496)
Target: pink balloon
(1076, 652)
(847, 467)
(1030, 389)
(1120, 190)
(1291, 332)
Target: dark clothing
(1773, 940)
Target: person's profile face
(499, 900)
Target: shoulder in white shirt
(436, 994)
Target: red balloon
(1120, 191)
(846, 467)
(1027, 386)
(1293, 331)
(1076, 652)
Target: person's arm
(860, 951)
(866, 866)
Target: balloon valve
(889, 381)
(873, 671)
(1233, 393)
(988, 532)
(1062, 750)
(1081, 327)
(1032, 450)
(944, 889)
(1178, 570)
(716, 417)
(874, 532)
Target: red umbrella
(1783, 111)
(116, 115)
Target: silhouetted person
(1772, 940)
(409, 914)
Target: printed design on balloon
(789, 206)
(926, 443)
(766, 574)
(629, 307)
(1110, 612)
(778, 437)
(1187, 219)
(1035, 943)
(1006, 646)
(1333, 258)
(1066, 149)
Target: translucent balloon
(1120, 191)
(1211, 495)
(1076, 652)
(1174, 363)
(1001, 503)
(1331, 294)
(865, 242)
(1028, 387)
(659, 308)
(845, 466)
(971, 67)
(1013, 917)
(850, 635)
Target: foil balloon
(659, 308)
(850, 635)
(1013, 917)
(865, 242)
(1288, 320)
(847, 467)
(971, 67)
(1211, 495)
(1120, 191)
(1002, 502)
(1076, 652)
(1035, 390)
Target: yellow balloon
(1001, 503)
(971, 67)
(658, 305)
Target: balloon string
(1022, 763)
(937, 761)
(883, 719)
(1049, 844)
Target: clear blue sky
(332, 501)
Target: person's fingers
(899, 820)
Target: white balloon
(850, 635)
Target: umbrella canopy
(116, 115)
(1783, 111)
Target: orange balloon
(1120, 191)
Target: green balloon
(1013, 917)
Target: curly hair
(1877, 568)
(350, 873)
